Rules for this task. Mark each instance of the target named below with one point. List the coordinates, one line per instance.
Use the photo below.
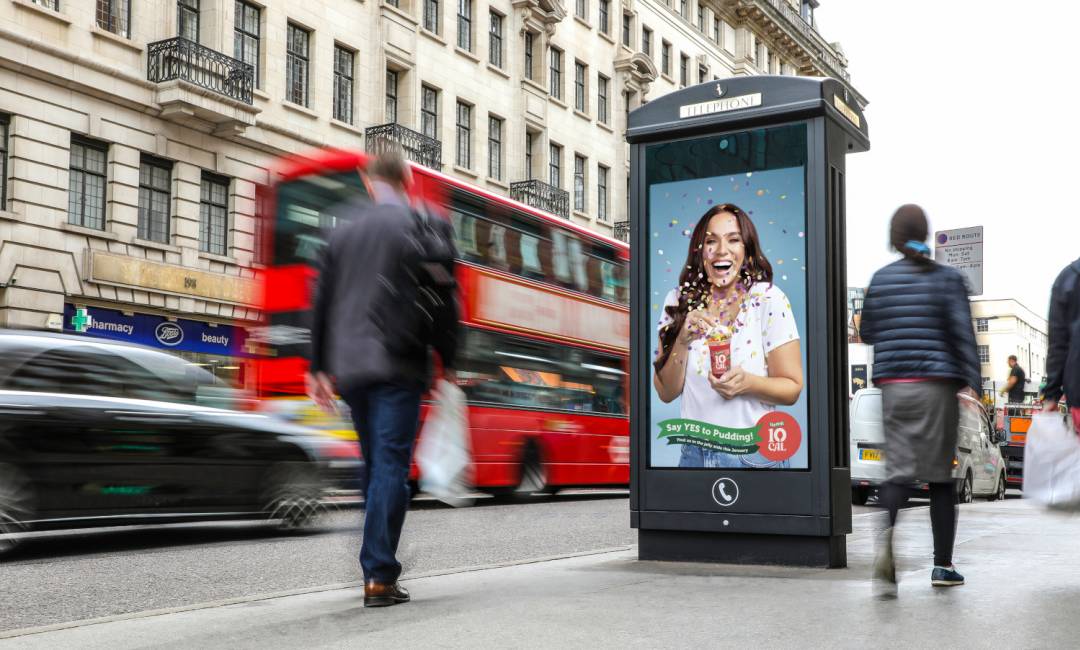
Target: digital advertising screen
(726, 277)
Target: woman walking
(918, 319)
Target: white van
(979, 467)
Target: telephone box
(739, 416)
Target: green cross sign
(81, 321)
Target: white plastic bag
(1052, 463)
(442, 453)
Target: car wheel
(16, 506)
(859, 495)
(294, 496)
(966, 494)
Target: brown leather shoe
(379, 594)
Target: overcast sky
(970, 116)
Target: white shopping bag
(442, 454)
(1052, 463)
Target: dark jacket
(363, 320)
(918, 319)
(1063, 359)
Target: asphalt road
(84, 576)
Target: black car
(99, 433)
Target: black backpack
(421, 309)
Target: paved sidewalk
(1023, 591)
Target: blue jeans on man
(386, 417)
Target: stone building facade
(133, 133)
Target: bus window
(609, 282)
(622, 286)
(577, 264)
(306, 208)
(561, 258)
(506, 370)
(497, 248)
(465, 235)
(531, 266)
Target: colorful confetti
(802, 234)
(784, 277)
(761, 192)
(687, 233)
(783, 197)
(660, 251)
(749, 174)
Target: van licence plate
(871, 454)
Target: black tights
(942, 514)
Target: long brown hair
(694, 285)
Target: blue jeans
(385, 417)
(694, 456)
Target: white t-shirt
(765, 324)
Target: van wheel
(16, 506)
(859, 495)
(293, 496)
(999, 492)
(966, 495)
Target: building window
(682, 9)
(4, 121)
(187, 19)
(115, 16)
(579, 183)
(701, 18)
(627, 27)
(155, 179)
(982, 325)
(581, 9)
(580, 102)
(464, 25)
(770, 62)
(213, 214)
(716, 29)
(464, 135)
(702, 74)
(529, 141)
(555, 165)
(665, 58)
(391, 96)
(431, 16)
(729, 37)
(984, 353)
(602, 84)
(556, 73)
(343, 84)
(684, 69)
(605, 13)
(530, 42)
(296, 65)
(646, 41)
(246, 35)
(602, 193)
(495, 130)
(495, 40)
(86, 184)
(429, 112)
(48, 4)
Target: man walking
(1015, 386)
(1063, 359)
(385, 295)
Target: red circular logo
(780, 436)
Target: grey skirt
(921, 421)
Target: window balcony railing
(180, 58)
(622, 231)
(540, 195)
(416, 146)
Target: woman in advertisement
(729, 344)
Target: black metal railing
(180, 58)
(539, 194)
(416, 146)
(622, 231)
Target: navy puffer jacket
(918, 319)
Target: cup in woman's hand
(719, 357)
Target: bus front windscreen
(306, 209)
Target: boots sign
(155, 331)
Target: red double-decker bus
(543, 360)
